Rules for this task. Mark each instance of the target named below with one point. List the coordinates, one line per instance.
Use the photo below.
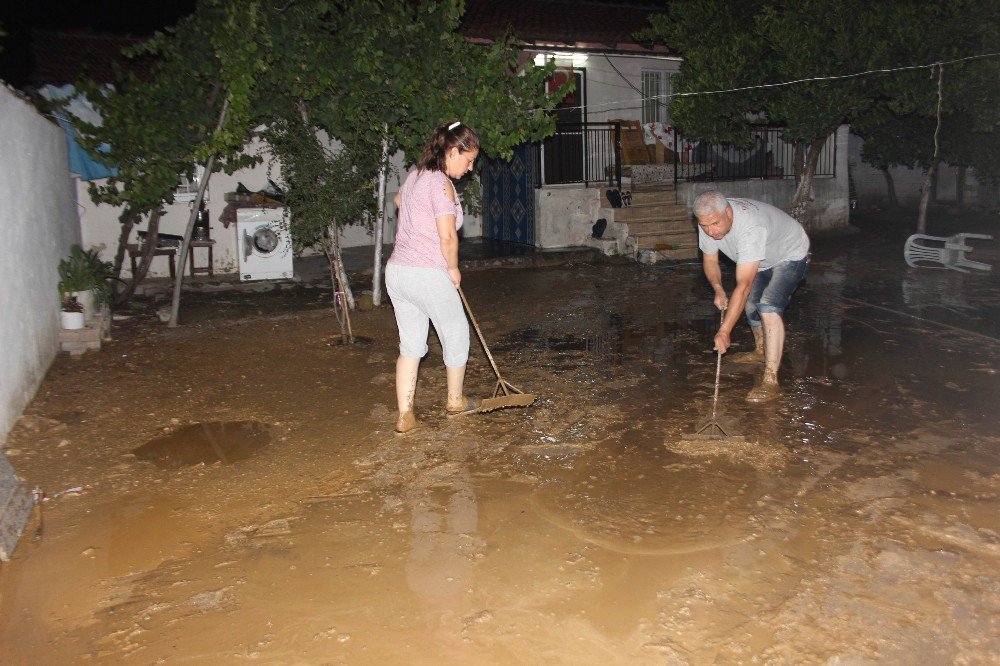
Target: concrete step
(652, 212)
(664, 246)
(656, 186)
(640, 226)
(640, 198)
(668, 240)
(683, 254)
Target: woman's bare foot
(407, 422)
(466, 406)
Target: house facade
(615, 133)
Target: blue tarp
(80, 161)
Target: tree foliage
(353, 72)
(158, 127)
(761, 43)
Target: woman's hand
(456, 277)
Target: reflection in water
(443, 541)
(226, 442)
(922, 288)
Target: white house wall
(100, 226)
(873, 192)
(38, 218)
(609, 96)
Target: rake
(712, 429)
(504, 394)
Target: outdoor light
(577, 59)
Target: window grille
(656, 89)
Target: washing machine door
(264, 241)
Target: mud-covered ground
(243, 496)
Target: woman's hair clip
(454, 125)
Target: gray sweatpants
(426, 295)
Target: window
(656, 89)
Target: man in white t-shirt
(771, 251)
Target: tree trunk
(803, 194)
(890, 186)
(929, 178)
(152, 239)
(960, 189)
(175, 302)
(345, 282)
(380, 223)
(123, 237)
(925, 197)
(340, 284)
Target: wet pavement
(856, 524)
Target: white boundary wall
(101, 227)
(873, 191)
(39, 222)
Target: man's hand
(456, 277)
(722, 341)
(721, 300)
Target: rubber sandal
(471, 407)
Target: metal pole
(618, 155)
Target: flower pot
(88, 299)
(71, 321)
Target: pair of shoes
(471, 407)
(627, 198)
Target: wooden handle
(482, 341)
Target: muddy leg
(774, 343)
(755, 356)
(406, 388)
(456, 389)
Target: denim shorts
(772, 289)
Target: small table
(134, 251)
(209, 269)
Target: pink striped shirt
(423, 199)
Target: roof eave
(620, 48)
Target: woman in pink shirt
(422, 274)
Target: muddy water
(205, 443)
(857, 523)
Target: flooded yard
(239, 494)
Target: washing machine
(263, 244)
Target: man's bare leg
(774, 344)
(406, 389)
(755, 356)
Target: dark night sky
(19, 17)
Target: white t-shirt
(761, 232)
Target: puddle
(222, 441)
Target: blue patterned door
(509, 197)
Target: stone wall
(565, 215)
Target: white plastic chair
(949, 252)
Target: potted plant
(88, 279)
(71, 317)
